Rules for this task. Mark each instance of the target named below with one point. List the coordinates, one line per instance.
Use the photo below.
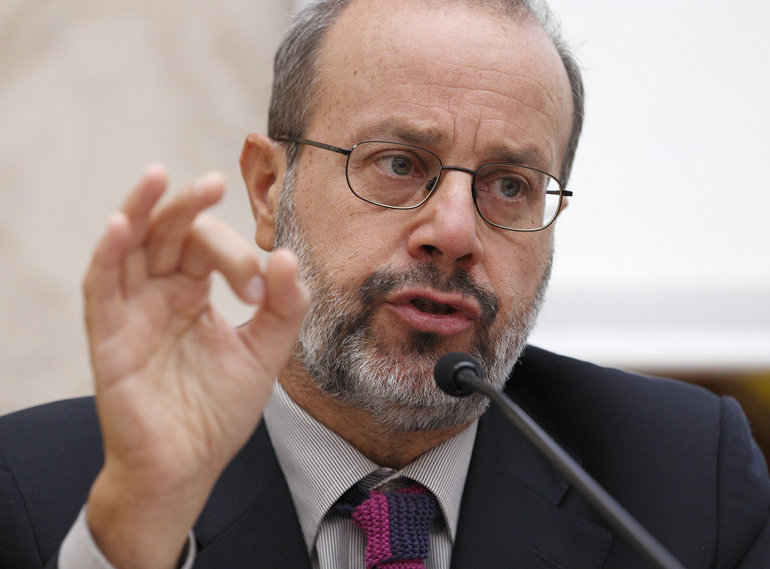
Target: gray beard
(347, 359)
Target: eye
(397, 164)
(511, 187)
(390, 164)
(400, 165)
(503, 183)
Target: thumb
(273, 331)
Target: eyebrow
(524, 156)
(407, 133)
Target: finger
(273, 331)
(212, 245)
(173, 221)
(142, 199)
(102, 283)
(134, 272)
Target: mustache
(383, 282)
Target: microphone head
(447, 369)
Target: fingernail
(114, 219)
(255, 290)
(214, 177)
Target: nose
(446, 227)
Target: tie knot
(396, 523)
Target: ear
(263, 165)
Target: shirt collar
(320, 466)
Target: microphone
(459, 375)
(454, 371)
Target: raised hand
(178, 390)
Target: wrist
(138, 524)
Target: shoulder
(674, 454)
(596, 409)
(52, 438)
(49, 456)
(540, 365)
(68, 414)
(566, 388)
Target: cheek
(344, 230)
(321, 200)
(520, 272)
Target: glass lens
(516, 197)
(392, 174)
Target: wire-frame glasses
(402, 176)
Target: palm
(178, 388)
(183, 374)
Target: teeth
(425, 305)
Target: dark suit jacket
(680, 459)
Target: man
(385, 114)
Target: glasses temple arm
(345, 151)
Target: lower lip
(444, 324)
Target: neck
(382, 446)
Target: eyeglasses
(401, 176)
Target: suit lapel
(250, 519)
(518, 512)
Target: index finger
(212, 245)
(142, 199)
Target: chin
(393, 385)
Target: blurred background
(662, 258)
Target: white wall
(663, 256)
(90, 92)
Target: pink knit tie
(397, 524)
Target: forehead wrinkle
(498, 77)
(526, 154)
(529, 154)
(460, 92)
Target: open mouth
(430, 307)
(423, 311)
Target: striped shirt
(320, 466)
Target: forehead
(468, 78)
